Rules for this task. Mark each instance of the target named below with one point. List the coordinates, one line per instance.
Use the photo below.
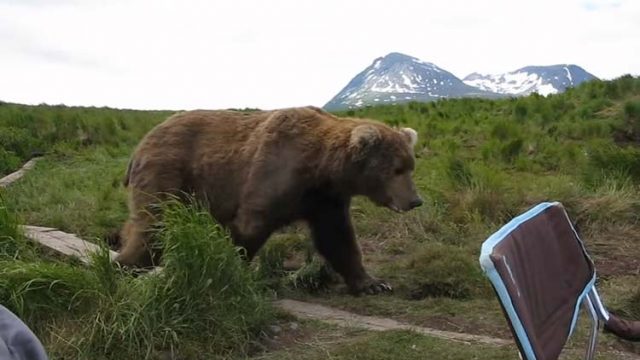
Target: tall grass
(442, 270)
(81, 194)
(25, 130)
(12, 242)
(206, 301)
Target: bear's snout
(399, 194)
(404, 206)
(417, 202)
(412, 204)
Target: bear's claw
(373, 287)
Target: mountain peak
(395, 78)
(397, 56)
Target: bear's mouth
(394, 208)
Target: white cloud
(268, 54)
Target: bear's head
(384, 163)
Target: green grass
(206, 302)
(26, 130)
(80, 194)
(440, 270)
(313, 340)
(10, 237)
(479, 163)
(390, 345)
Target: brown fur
(259, 171)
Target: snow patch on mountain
(512, 83)
(543, 80)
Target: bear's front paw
(371, 286)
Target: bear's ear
(363, 137)
(411, 136)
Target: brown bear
(259, 171)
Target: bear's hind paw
(373, 286)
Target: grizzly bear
(259, 171)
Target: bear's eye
(398, 171)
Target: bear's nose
(415, 203)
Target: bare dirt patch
(615, 251)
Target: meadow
(479, 163)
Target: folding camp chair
(541, 273)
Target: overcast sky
(153, 54)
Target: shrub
(18, 141)
(486, 195)
(8, 162)
(614, 200)
(520, 111)
(458, 172)
(511, 150)
(605, 160)
(504, 130)
(440, 270)
(632, 111)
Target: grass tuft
(440, 270)
(206, 295)
(13, 245)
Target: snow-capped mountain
(398, 78)
(543, 80)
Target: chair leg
(603, 314)
(593, 338)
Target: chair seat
(541, 273)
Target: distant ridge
(396, 78)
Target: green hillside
(480, 162)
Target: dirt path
(342, 318)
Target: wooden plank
(62, 242)
(9, 179)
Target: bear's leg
(135, 250)
(333, 236)
(136, 233)
(249, 232)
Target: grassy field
(479, 163)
